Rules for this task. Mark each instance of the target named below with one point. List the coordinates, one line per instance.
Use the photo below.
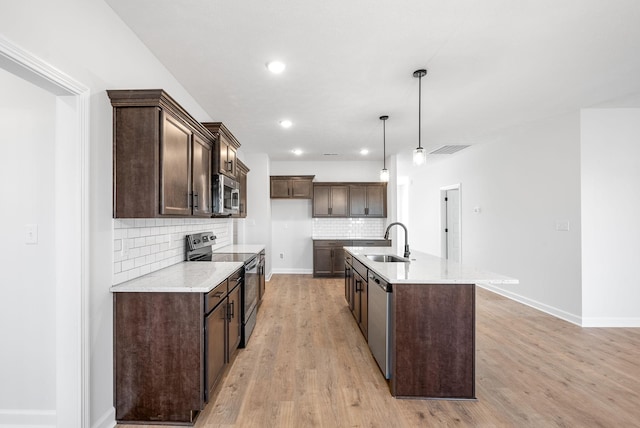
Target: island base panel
(434, 341)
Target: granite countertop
(425, 269)
(185, 277)
(241, 248)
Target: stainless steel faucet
(406, 237)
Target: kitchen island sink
(387, 258)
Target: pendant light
(384, 173)
(419, 156)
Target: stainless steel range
(199, 249)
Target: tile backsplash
(141, 246)
(348, 227)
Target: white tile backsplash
(348, 227)
(141, 246)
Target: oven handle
(251, 264)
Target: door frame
(71, 228)
(443, 218)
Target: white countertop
(425, 269)
(347, 238)
(185, 277)
(241, 248)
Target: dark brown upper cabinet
(227, 149)
(242, 172)
(368, 200)
(291, 186)
(161, 157)
(330, 200)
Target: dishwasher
(380, 331)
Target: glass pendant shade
(384, 175)
(419, 156)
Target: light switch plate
(562, 226)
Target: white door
(451, 223)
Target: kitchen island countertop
(425, 269)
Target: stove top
(199, 249)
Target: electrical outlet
(282, 255)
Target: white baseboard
(610, 322)
(293, 271)
(558, 313)
(27, 418)
(107, 420)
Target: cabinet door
(223, 158)
(301, 189)
(321, 200)
(231, 162)
(339, 201)
(242, 180)
(322, 261)
(357, 293)
(201, 177)
(280, 188)
(348, 286)
(215, 341)
(357, 201)
(175, 169)
(235, 324)
(376, 201)
(364, 308)
(338, 260)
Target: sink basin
(386, 258)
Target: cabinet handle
(366, 211)
(330, 210)
(195, 200)
(230, 166)
(231, 310)
(356, 284)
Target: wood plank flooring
(307, 365)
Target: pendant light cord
(384, 141)
(420, 112)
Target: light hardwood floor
(307, 365)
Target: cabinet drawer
(331, 243)
(372, 243)
(360, 268)
(348, 259)
(235, 279)
(215, 296)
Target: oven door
(250, 299)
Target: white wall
(87, 41)
(610, 151)
(27, 277)
(292, 224)
(256, 227)
(524, 180)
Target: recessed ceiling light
(296, 152)
(286, 123)
(276, 67)
(364, 152)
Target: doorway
(451, 230)
(65, 230)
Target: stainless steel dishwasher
(380, 331)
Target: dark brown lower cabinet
(158, 356)
(171, 350)
(433, 348)
(328, 254)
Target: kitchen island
(424, 343)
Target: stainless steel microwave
(226, 195)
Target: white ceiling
(491, 64)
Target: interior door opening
(451, 231)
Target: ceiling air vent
(447, 150)
(330, 154)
